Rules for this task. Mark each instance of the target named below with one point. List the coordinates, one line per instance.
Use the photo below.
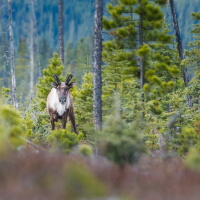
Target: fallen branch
(33, 145)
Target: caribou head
(62, 88)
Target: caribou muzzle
(62, 100)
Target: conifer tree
(45, 53)
(44, 86)
(193, 59)
(125, 31)
(84, 100)
(164, 72)
(22, 69)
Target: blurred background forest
(78, 23)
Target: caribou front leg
(64, 120)
(52, 124)
(73, 120)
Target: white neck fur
(56, 105)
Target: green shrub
(79, 178)
(63, 140)
(10, 128)
(119, 143)
(85, 150)
(192, 159)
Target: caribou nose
(62, 100)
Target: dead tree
(36, 40)
(31, 58)
(3, 46)
(13, 79)
(179, 45)
(141, 58)
(97, 61)
(61, 35)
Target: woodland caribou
(60, 103)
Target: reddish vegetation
(197, 127)
(43, 176)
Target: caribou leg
(64, 120)
(52, 124)
(73, 121)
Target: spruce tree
(84, 100)
(164, 71)
(22, 70)
(44, 86)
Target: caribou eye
(66, 89)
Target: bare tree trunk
(4, 51)
(179, 45)
(61, 37)
(31, 58)
(141, 58)
(13, 79)
(97, 61)
(170, 107)
(36, 41)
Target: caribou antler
(68, 79)
(57, 79)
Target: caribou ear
(71, 85)
(54, 85)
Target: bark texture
(179, 45)
(31, 59)
(61, 35)
(13, 79)
(97, 61)
(141, 58)
(178, 40)
(141, 44)
(36, 41)
(4, 51)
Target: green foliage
(119, 142)
(10, 128)
(85, 150)
(83, 104)
(143, 51)
(184, 140)
(192, 160)
(76, 56)
(63, 140)
(22, 71)
(44, 86)
(88, 186)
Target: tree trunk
(178, 40)
(61, 37)
(37, 47)
(13, 80)
(179, 45)
(31, 59)
(141, 58)
(97, 61)
(141, 44)
(4, 51)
